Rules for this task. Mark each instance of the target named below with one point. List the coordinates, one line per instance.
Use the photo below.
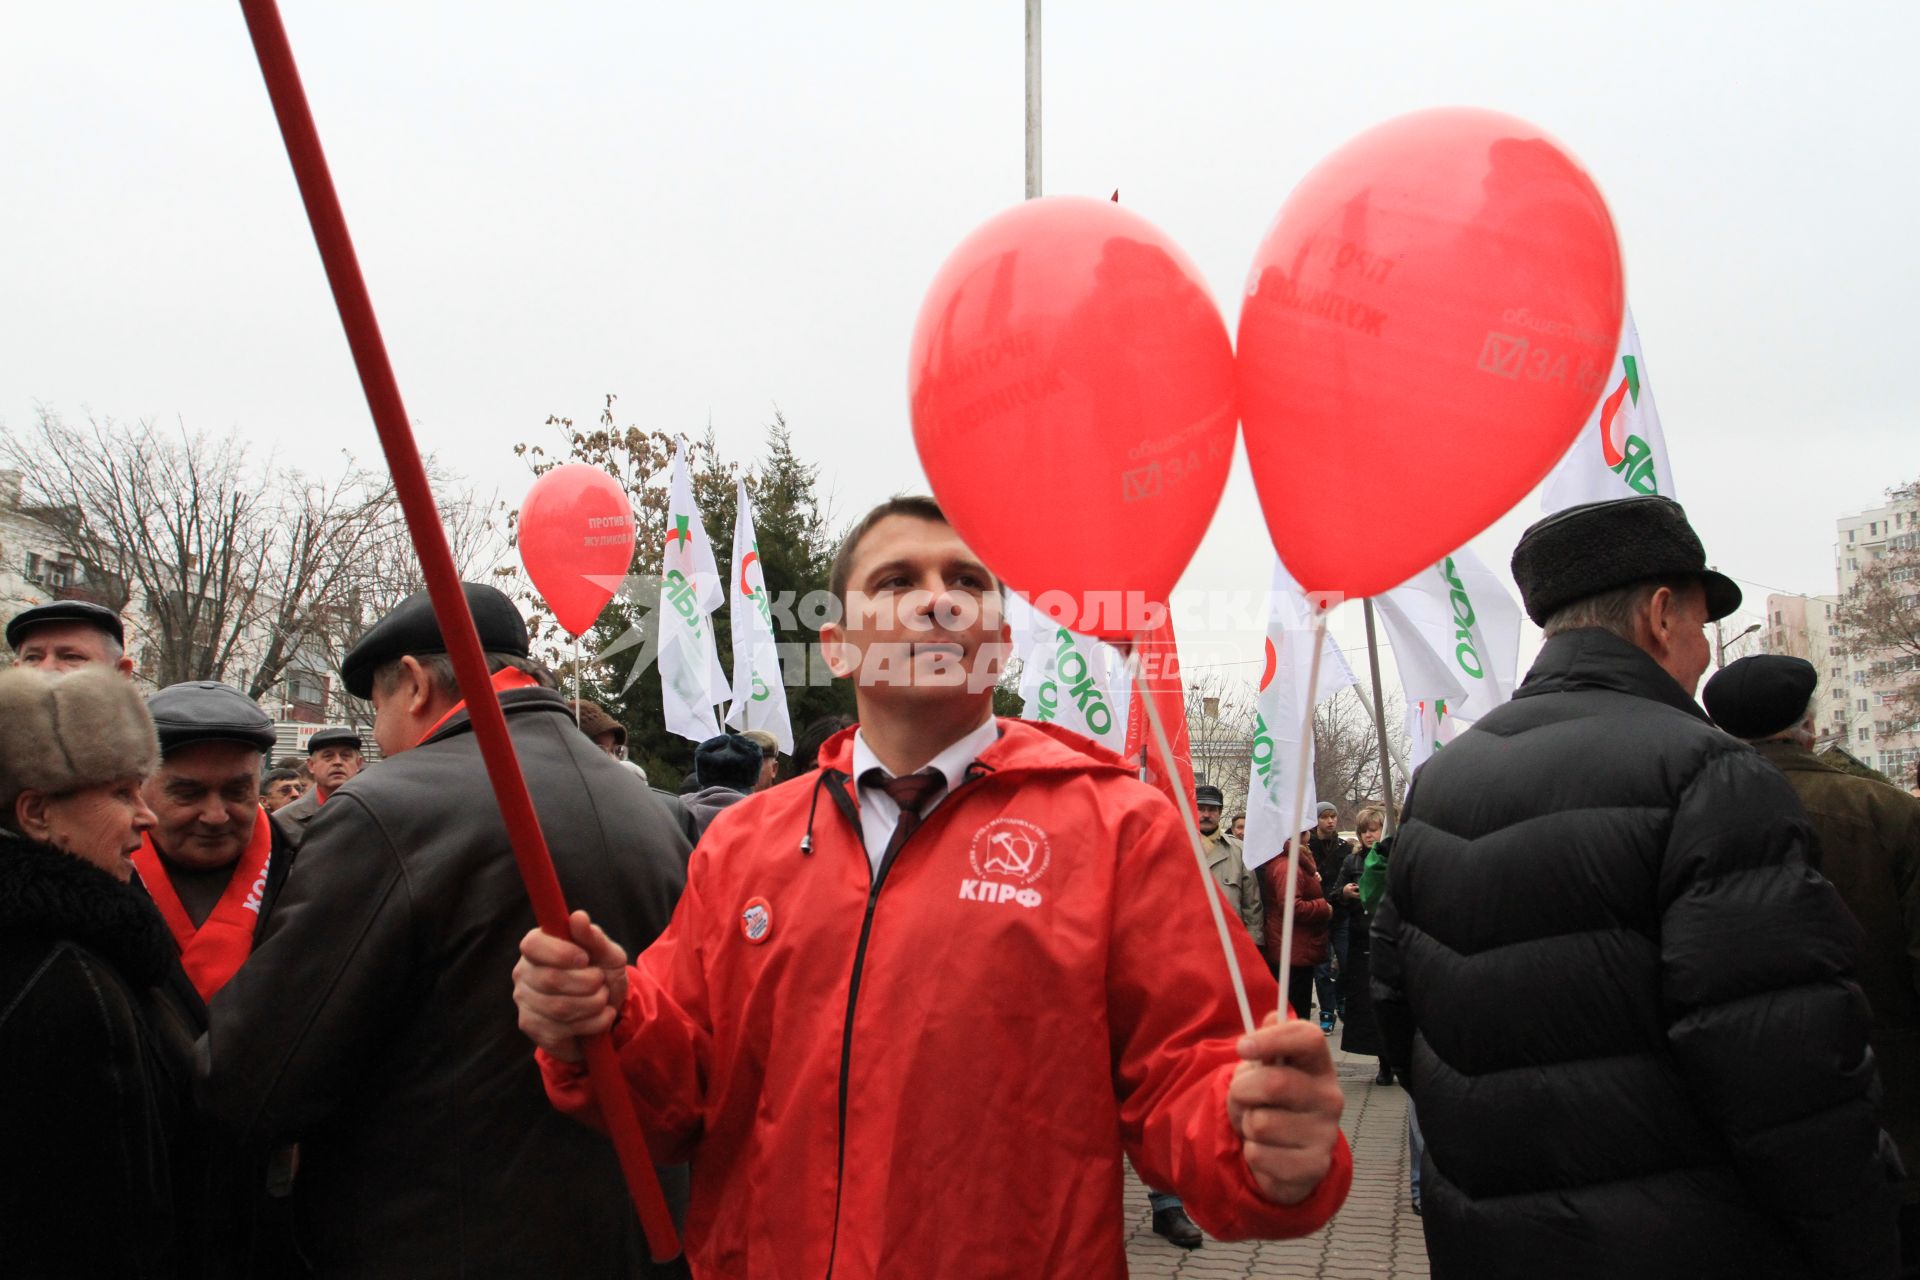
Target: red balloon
(576, 540)
(1432, 317)
(1072, 388)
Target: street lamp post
(1720, 642)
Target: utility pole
(1379, 718)
(1033, 98)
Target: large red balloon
(1073, 404)
(1429, 321)
(576, 540)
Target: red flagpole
(443, 580)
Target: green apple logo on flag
(1628, 456)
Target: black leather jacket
(374, 1022)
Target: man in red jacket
(915, 1007)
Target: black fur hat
(1599, 546)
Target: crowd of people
(1649, 972)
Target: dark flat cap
(595, 721)
(333, 736)
(1758, 696)
(1599, 546)
(1206, 793)
(412, 629)
(97, 616)
(207, 711)
(727, 760)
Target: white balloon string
(576, 682)
(1285, 958)
(1185, 804)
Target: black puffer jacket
(97, 1175)
(1634, 1045)
(375, 1024)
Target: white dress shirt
(879, 814)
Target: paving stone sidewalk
(1375, 1235)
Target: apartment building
(1856, 693)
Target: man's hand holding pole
(1285, 1103)
(567, 991)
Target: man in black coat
(371, 1025)
(1624, 997)
(727, 766)
(334, 759)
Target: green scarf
(1373, 877)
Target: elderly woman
(95, 1063)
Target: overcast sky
(716, 209)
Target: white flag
(1429, 727)
(691, 681)
(1068, 679)
(1280, 715)
(1455, 632)
(1621, 452)
(762, 703)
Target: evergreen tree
(796, 550)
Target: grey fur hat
(63, 733)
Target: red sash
(504, 679)
(214, 952)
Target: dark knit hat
(85, 612)
(1599, 546)
(196, 711)
(727, 760)
(412, 630)
(333, 736)
(1758, 696)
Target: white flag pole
(1185, 804)
(1286, 903)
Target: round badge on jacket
(756, 920)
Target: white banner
(1068, 679)
(1455, 632)
(1280, 715)
(762, 700)
(691, 681)
(1429, 727)
(1621, 452)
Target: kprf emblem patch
(1007, 856)
(756, 921)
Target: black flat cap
(727, 760)
(1758, 696)
(206, 711)
(411, 629)
(333, 736)
(1598, 546)
(96, 616)
(1206, 793)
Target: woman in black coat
(1359, 1033)
(95, 1059)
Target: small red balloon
(1433, 315)
(576, 540)
(1072, 388)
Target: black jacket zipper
(836, 786)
